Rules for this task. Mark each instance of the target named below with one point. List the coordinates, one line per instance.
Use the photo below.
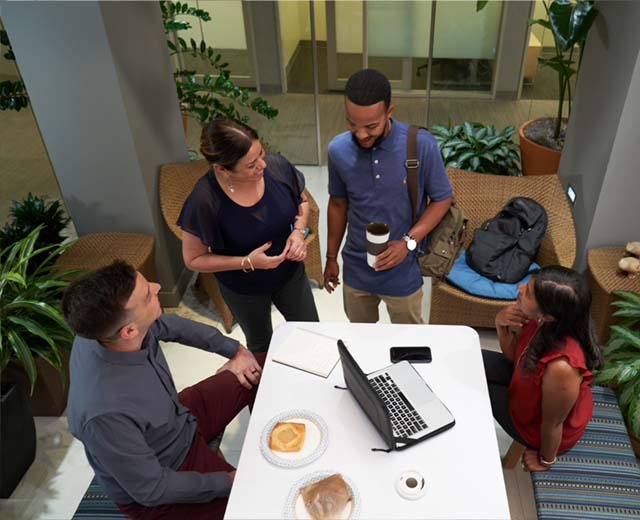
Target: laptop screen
(367, 398)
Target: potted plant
(542, 140)
(622, 361)
(13, 94)
(34, 340)
(473, 146)
(27, 215)
(215, 94)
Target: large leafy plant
(27, 215)
(569, 22)
(474, 146)
(13, 95)
(622, 357)
(31, 324)
(215, 94)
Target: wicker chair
(96, 250)
(176, 182)
(480, 197)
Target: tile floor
(57, 480)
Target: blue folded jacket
(465, 278)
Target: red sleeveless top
(525, 391)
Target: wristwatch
(411, 242)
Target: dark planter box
(51, 390)
(17, 437)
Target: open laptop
(397, 401)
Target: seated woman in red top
(539, 384)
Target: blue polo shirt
(375, 183)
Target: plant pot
(17, 437)
(50, 394)
(537, 159)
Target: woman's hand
(297, 247)
(511, 316)
(260, 260)
(530, 461)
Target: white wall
(292, 26)
(603, 136)
(225, 30)
(107, 112)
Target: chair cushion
(599, 478)
(96, 504)
(465, 278)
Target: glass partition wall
(441, 56)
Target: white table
(461, 466)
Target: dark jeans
(214, 402)
(253, 311)
(498, 370)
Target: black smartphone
(410, 354)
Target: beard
(378, 139)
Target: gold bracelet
(302, 230)
(244, 270)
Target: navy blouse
(233, 230)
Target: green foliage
(473, 146)
(13, 94)
(30, 213)
(30, 320)
(569, 22)
(215, 94)
(622, 357)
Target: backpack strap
(412, 164)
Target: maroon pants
(214, 402)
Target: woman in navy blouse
(245, 221)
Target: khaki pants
(362, 307)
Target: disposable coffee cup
(377, 240)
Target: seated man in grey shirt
(146, 443)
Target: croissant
(633, 248)
(327, 498)
(287, 436)
(631, 265)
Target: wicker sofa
(481, 196)
(175, 184)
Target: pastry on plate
(287, 436)
(327, 498)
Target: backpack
(445, 241)
(504, 246)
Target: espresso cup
(377, 240)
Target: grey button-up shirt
(124, 408)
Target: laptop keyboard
(404, 418)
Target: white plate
(296, 510)
(316, 439)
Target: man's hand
(511, 316)
(392, 256)
(331, 272)
(530, 461)
(244, 366)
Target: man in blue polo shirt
(367, 183)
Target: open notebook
(309, 351)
